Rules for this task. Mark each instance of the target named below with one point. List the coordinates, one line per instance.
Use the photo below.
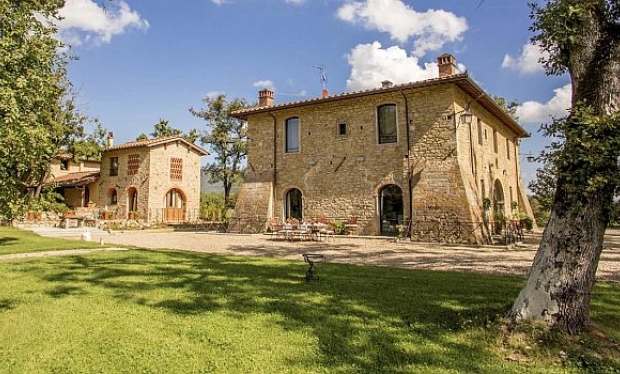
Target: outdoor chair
(276, 227)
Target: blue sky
(140, 61)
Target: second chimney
(265, 97)
(110, 140)
(447, 65)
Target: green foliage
(31, 91)
(212, 206)
(541, 213)
(163, 129)
(509, 107)
(340, 228)
(226, 139)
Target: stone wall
(152, 181)
(160, 182)
(341, 176)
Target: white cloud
(533, 112)
(214, 94)
(430, 30)
(266, 83)
(371, 64)
(296, 2)
(85, 21)
(219, 2)
(527, 62)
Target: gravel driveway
(367, 251)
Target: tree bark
(559, 285)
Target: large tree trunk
(558, 288)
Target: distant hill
(205, 186)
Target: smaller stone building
(75, 179)
(155, 179)
(417, 154)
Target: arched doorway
(499, 212)
(111, 197)
(174, 206)
(294, 205)
(391, 209)
(132, 202)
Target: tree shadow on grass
(7, 240)
(364, 319)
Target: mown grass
(13, 240)
(173, 312)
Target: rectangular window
(64, 164)
(479, 132)
(507, 148)
(495, 146)
(113, 166)
(292, 135)
(342, 129)
(386, 121)
(482, 189)
(133, 164)
(176, 169)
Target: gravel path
(367, 251)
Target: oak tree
(582, 38)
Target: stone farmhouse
(429, 151)
(155, 180)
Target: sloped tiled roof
(463, 81)
(157, 141)
(80, 178)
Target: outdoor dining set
(294, 229)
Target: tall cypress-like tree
(582, 38)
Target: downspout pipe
(275, 160)
(409, 173)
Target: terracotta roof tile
(157, 141)
(74, 179)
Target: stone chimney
(447, 65)
(110, 140)
(265, 97)
(387, 84)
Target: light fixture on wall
(529, 157)
(466, 117)
(360, 159)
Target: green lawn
(174, 312)
(18, 241)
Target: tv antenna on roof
(323, 73)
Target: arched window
(386, 123)
(391, 209)
(292, 134)
(294, 205)
(174, 199)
